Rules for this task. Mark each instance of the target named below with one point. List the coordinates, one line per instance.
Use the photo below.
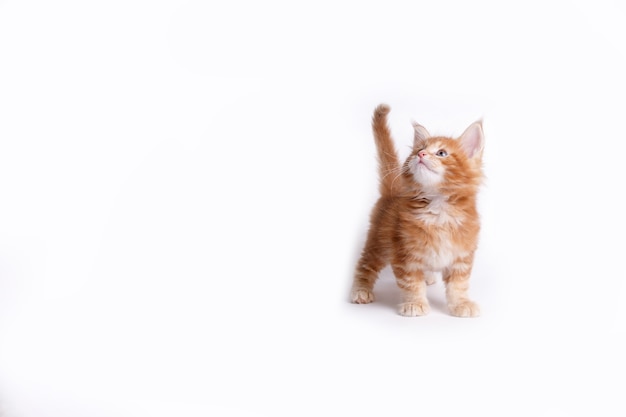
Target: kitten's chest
(437, 248)
(438, 235)
(438, 213)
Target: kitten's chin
(426, 177)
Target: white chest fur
(437, 259)
(438, 213)
(442, 220)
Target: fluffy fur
(425, 223)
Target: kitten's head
(444, 165)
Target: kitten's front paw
(361, 296)
(465, 308)
(415, 309)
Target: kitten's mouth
(424, 164)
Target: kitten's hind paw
(415, 309)
(465, 309)
(431, 277)
(361, 296)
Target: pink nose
(422, 154)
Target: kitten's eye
(441, 153)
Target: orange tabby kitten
(425, 223)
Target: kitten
(425, 223)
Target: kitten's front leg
(457, 285)
(413, 286)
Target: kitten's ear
(421, 134)
(473, 140)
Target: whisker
(393, 171)
(402, 171)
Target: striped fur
(425, 223)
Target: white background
(185, 188)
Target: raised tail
(388, 161)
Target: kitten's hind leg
(363, 285)
(366, 275)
